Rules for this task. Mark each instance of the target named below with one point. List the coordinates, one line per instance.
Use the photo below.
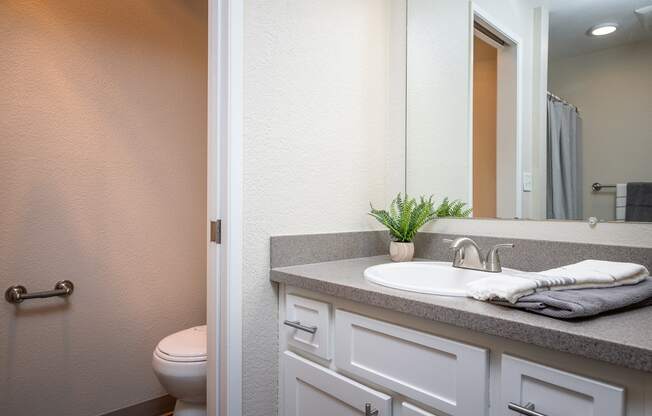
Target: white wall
(103, 182)
(317, 122)
(438, 69)
(395, 146)
(612, 90)
(438, 122)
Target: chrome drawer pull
(297, 325)
(527, 409)
(368, 411)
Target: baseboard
(155, 407)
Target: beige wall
(612, 90)
(102, 181)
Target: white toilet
(180, 364)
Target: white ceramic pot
(401, 251)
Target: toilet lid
(186, 345)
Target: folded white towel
(510, 286)
(621, 190)
(621, 201)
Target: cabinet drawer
(446, 375)
(308, 315)
(408, 409)
(312, 390)
(556, 393)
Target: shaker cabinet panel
(307, 325)
(313, 390)
(408, 409)
(551, 392)
(449, 376)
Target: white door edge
(224, 268)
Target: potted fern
(404, 218)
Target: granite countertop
(623, 338)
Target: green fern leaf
(405, 216)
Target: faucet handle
(448, 240)
(492, 262)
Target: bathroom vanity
(476, 116)
(350, 347)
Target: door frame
(539, 196)
(515, 41)
(224, 201)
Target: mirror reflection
(543, 112)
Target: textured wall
(316, 124)
(612, 90)
(102, 181)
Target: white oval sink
(437, 278)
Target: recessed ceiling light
(603, 29)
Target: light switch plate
(527, 181)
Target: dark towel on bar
(577, 303)
(639, 201)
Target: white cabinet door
(552, 392)
(408, 409)
(312, 390)
(449, 376)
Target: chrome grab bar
(18, 293)
(297, 325)
(527, 409)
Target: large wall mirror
(531, 109)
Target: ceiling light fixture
(603, 29)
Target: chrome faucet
(467, 255)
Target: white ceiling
(570, 20)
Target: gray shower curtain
(564, 199)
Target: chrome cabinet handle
(527, 409)
(297, 325)
(17, 293)
(368, 411)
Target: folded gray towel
(567, 304)
(639, 201)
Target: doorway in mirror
(494, 142)
(485, 96)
